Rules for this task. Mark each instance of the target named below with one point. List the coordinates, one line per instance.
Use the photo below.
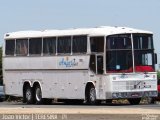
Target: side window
(79, 44)
(21, 46)
(35, 46)
(64, 45)
(97, 44)
(49, 46)
(10, 47)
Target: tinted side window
(64, 45)
(97, 44)
(79, 44)
(35, 46)
(49, 46)
(21, 46)
(10, 47)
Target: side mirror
(155, 58)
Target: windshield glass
(119, 53)
(143, 52)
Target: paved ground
(10, 110)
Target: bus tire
(29, 95)
(38, 95)
(134, 101)
(91, 95)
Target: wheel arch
(37, 83)
(29, 83)
(25, 84)
(88, 85)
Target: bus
(84, 64)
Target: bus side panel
(66, 84)
(59, 76)
(46, 63)
(54, 84)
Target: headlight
(119, 95)
(153, 93)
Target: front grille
(133, 85)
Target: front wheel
(134, 101)
(91, 96)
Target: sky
(17, 15)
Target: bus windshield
(119, 52)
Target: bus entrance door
(99, 64)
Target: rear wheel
(29, 95)
(91, 95)
(38, 95)
(134, 101)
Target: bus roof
(97, 31)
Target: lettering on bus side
(68, 63)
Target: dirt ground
(79, 114)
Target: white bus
(87, 64)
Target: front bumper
(118, 95)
